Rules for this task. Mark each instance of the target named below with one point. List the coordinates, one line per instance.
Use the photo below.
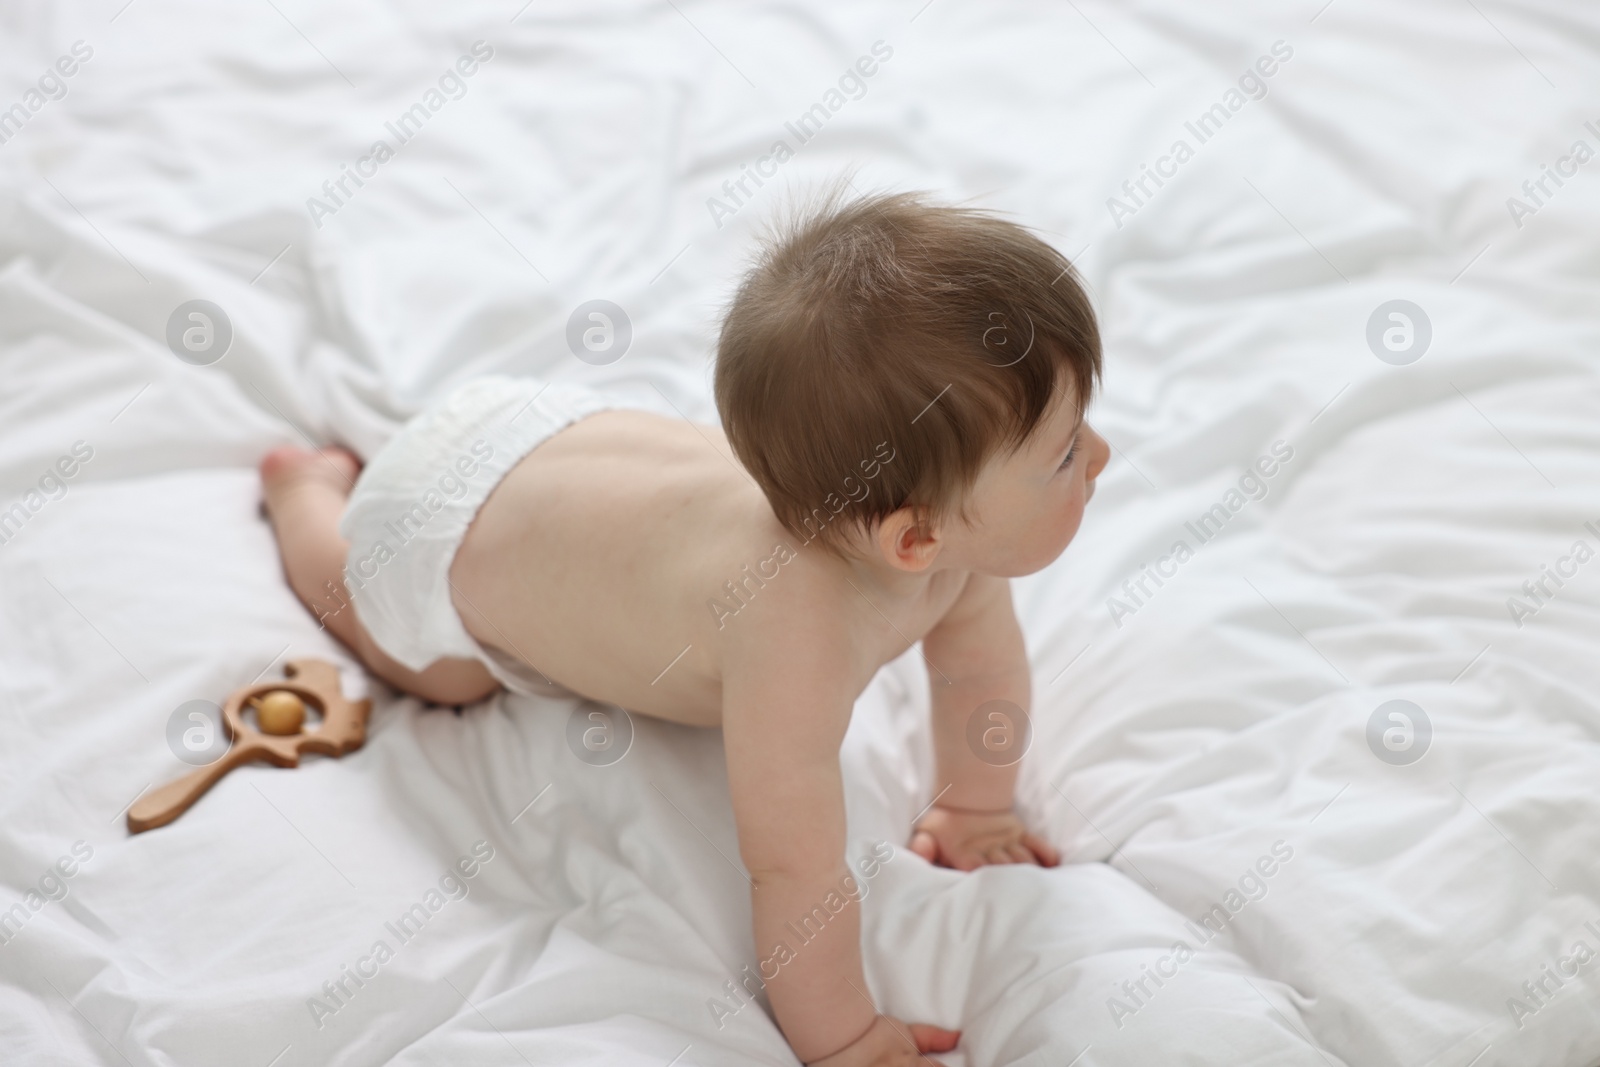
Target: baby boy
(901, 388)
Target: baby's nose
(1099, 454)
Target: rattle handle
(160, 806)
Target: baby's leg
(306, 494)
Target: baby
(902, 388)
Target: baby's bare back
(602, 557)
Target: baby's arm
(786, 707)
(976, 655)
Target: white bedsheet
(1180, 738)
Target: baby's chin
(1058, 546)
(1024, 561)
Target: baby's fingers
(994, 855)
(933, 1038)
(1047, 856)
(925, 845)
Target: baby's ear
(908, 539)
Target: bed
(1325, 778)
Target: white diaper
(415, 499)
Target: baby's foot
(305, 496)
(288, 471)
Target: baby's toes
(279, 460)
(284, 462)
(287, 465)
(343, 461)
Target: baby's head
(905, 382)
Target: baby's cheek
(1071, 516)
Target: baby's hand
(965, 840)
(892, 1043)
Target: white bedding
(1217, 722)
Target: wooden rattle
(280, 709)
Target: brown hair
(892, 327)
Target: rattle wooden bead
(280, 712)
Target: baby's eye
(1071, 452)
